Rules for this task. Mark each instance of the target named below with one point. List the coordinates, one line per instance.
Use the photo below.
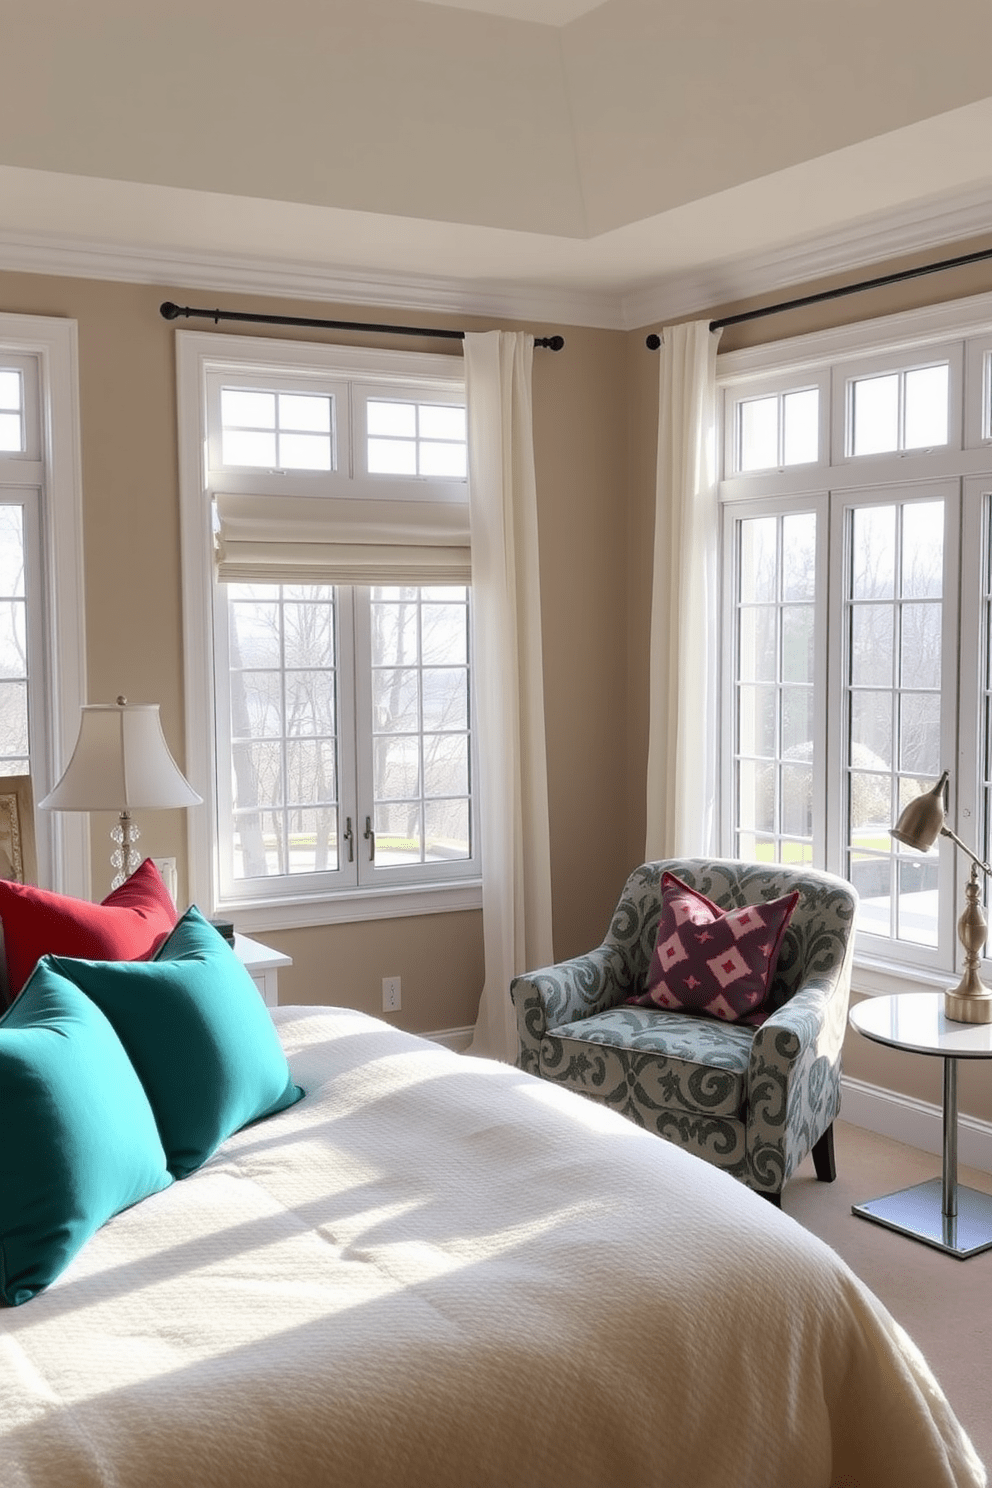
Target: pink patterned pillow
(708, 960)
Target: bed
(440, 1270)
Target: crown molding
(934, 224)
(543, 307)
(225, 274)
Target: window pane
(448, 460)
(758, 640)
(758, 433)
(11, 433)
(801, 412)
(394, 631)
(923, 550)
(396, 419)
(916, 904)
(799, 556)
(311, 772)
(445, 633)
(305, 411)
(310, 704)
(395, 700)
(312, 841)
(258, 844)
(797, 718)
(396, 766)
(256, 704)
(872, 644)
(757, 718)
(11, 390)
(926, 407)
(392, 457)
(797, 643)
(872, 877)
(446, 829)
(875, 414)
(446, 769)
(309, 634)
(398, 834)
(797, 800)
(13, 720)
(445, 698)
(758, 558)
(254, 632)
(442, 421)
(871, 812)
(304, 452)
(873, 552)
(257, 774)
(756, 796)
(13, 642)
(921, 625)
(11, 552)
(871, 729)
(242, 409)
(919, 734)
(241, 448)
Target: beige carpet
(944, 1304)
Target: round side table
(938, 1212)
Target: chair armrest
(794, 1077)
(564, 993)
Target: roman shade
(327, 540)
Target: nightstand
(262, 964)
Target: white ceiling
(606, 163)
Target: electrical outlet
(167, 868)
(390, 994)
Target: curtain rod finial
(653, 342)
(169, 311)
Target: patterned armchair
(752, 1100)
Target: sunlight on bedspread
(438, 1270)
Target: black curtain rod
(654, 341)
(172, 312)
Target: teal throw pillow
(198, 1034)
(80, 1141)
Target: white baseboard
(453, 1038)
(915, 1122)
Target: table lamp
(121, 761)
(919, 825)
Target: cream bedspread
(437, 1270)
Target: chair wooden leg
(823, 1157)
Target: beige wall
(134, 620)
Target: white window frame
(962, 332)
(48, 480)
(203, 360)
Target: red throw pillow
(129, 925)
(714, 961)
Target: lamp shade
(920, 823)
(121, 761)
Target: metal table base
(938, 1212)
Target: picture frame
(18, 854)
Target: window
(41, 641)
(337, 687)
(857, 568)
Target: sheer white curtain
(681, 774)
(513, 788)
